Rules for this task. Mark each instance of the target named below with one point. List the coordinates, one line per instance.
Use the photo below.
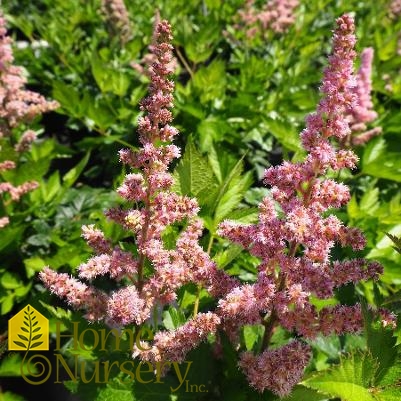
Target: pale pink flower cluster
(149, 280)
(173, 345)
(17, 105)
(295, 235)
(394, 8)
(362, 113)
(276, 16)
(277, 370)
(118, 19)
(149, 58)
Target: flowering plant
(295, 235)
(293, 238)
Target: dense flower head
(296, 232)
(277, 370)
(362, 113)
(17, 106)
(173, 345)
(118, 20)
(275, 16)
(17, 103)
(139, 291)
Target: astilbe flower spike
(275, 16)
(17, 106)
(294, 237)
(139, 293)
(362, 113)
(118, 20)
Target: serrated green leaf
(57, 312)
(351, 380)
(10, 365)
(193, 174)
(300, 393)
(233, 197)
(232, 178)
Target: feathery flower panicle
(118, 20)
(173, 345)
(294, 245)
(362, 113)
(275, 16)
(277, 370)
(17, 105)
(139, 293)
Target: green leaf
(223, 258)
(284, 132)
(10, 365)
(351, 380)
(34, 345)
(51, 188)
(10, 235)
(10, 281)
(381, 344)
(68, 97)
(70, 177)
(33, 265)
(193, 174)
(7, 303)
(252, 336)
(233, 196)
(233, 175)
(57, 312)
(300, 393)
(173, 318)
(9, 396)
(370, 201)
(378, 162)
(396, 240)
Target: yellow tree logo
(28, 330)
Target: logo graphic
(28, 330)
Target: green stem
(184, 62)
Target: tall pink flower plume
(275, 16)
(118, 20)
(17, 106)
(141, 293)
(295, 235)
(362, 113)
